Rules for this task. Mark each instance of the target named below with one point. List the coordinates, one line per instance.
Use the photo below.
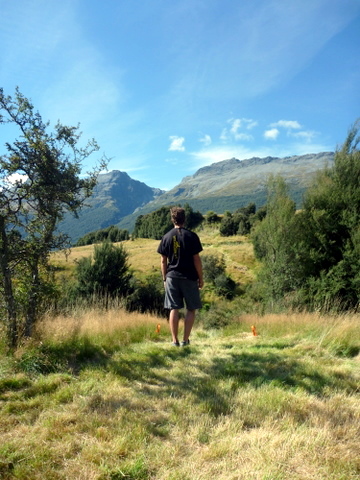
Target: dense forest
(156, 224)
(112, 233)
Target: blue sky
(169, 86)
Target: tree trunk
(31, 309)
(12, 327)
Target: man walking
(181, 269)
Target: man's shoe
(176, 344)
(185, 344)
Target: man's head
(177, 216)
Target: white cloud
(177, 144)
(305, 135)
(16, 178)
(244, 136)
(234, 131)
(219, 153)
(215, 154)
(249, 123)
(7, 182)
(271, 134)
(206, 140)
(236, 124)
(224, 135)
(288, 124)
(291, 127)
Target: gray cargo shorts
(179, 289)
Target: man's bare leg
(189, 322)
(174, 325)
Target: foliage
(107, 273)
(213, 266)
(239, 222)
(214, 270)
(153, 225)
(331, 219)
(315, 254)
(275, 243)
(156, 224)
(111, 233)
(228, 226)
(147, 296)
(212, 217)
(225, 286)
(39, 181)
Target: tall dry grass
(93, 322)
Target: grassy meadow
(102, 395)
(144, 259)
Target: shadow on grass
(69, 357)
(148, 371)
(251, 368)
(257, 369)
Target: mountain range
(226, 185)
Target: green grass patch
(282, 404)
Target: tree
(315, 252)
(239, 222)
(274, 242)
(112, 233)
(157, 223)
(330, 218)
(228, 227)
(105, 274)
(39, 181)
(212, 217)
(215, 274)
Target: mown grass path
(277, 406)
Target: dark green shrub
(212, 218)
(228, 226)
(106, 274)
(218, 316)
(225, 286)
(147, 296)
(156, 224)
(213, 266)
(215, 274)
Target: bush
(213, 266)
(106, 274)
(147, 296)
(228, 227)
(218, 316)
(212, 218)
(215, 273)
(238, 223)
(225, 286)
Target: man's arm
(198, 266)
(163, 265)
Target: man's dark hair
(177, 215)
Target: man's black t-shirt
(179, 245)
